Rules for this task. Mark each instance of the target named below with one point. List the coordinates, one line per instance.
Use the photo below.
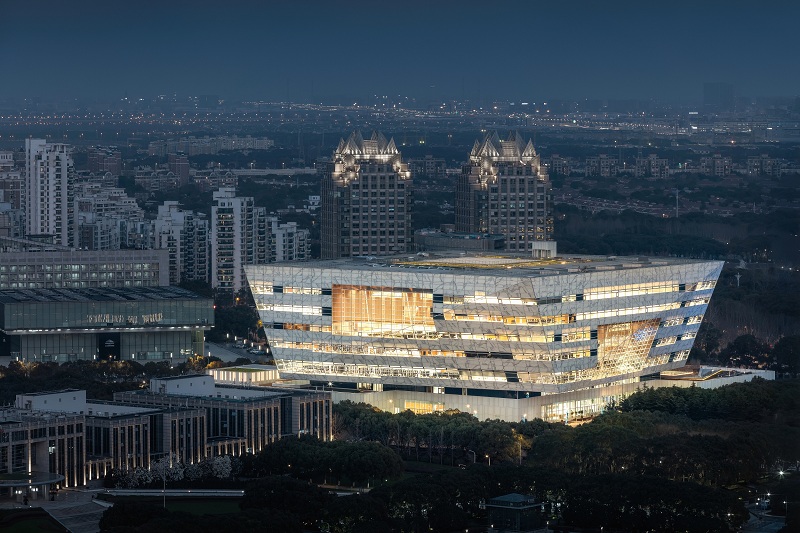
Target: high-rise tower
(50, 196)
(505, 190)
(234, 239)
(366, 199)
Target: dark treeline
(334, 462)
(666, 460)
(452, 500)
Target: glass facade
(157, 323)
(498, 323)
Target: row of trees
(168, 469)
(747, 351)
(715, 437)
(448, 437)
(334, 462)
(665, 460)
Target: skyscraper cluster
(62, 209)
(367, 197)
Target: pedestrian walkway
(80, 518)
(76, 510)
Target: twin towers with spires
(367, 197)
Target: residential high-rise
(233, 239)
(179, 165)
(243, 234)
(505, 190)
(50, 197)
(102, 159)
(366, 199)
(287, 241)
(185, 234)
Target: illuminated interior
(372, 311)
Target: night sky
(434, 49)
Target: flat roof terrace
(513, 265)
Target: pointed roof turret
(476, 148)
(380, 139)
(529, 150)
(489, 148)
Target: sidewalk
(76, 510)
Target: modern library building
(500, 336)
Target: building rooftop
(512, 500)
(50, 392)
(105, 294)
(514, 265)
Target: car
(240, 346)
(255, 351)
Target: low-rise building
(139, 324)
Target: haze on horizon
(322, 51)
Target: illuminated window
(360, 310)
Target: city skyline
(318, 51)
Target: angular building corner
(500, 336)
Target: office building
(50, 195)
(122, 436)
(366, 199)
(504, 190)
(21, 268)
(240, 419)
(62, 439)
(138, 324)
(48, 447)
(508, 337)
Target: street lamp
(473, 456)
(490, 459)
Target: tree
(787, 355)
(745, 350)
(279, 493)
(345, 514)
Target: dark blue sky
(520, 50)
